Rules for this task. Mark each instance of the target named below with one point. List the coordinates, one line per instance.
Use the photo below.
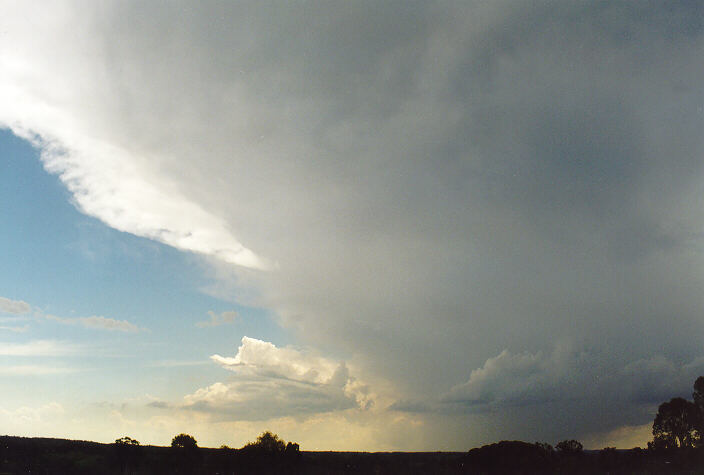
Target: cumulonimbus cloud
(435, 182)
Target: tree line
(267, 453)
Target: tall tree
(676, 423)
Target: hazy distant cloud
(177, 363)
(626, 436)
(39, 348)
(160, 404)
(274, 382)
(33, 370)
(16, 307)
(97, 322)
(14, 329)
(19, 307)
(31, 415)
(218, 319)
(104, 323)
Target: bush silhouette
(184, 441)
(569, 447)
(268, 443)
(129, 441)
(509, 456)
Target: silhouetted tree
(128, 452)
(184, 441)
(545, 446)
(698, 394)
(186, 455)
(661, 444)
(675, 424)
(569, 447)
(269, 454)
(268, 443)
(292, 448)
(129, 441)
(292, 453)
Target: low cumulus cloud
(417, 185)
(272, 382)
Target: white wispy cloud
(16, 307)
(218, 319)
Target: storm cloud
(444, 194)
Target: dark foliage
(698, 394)
(184, 441)
(63, 457)
(569, 447)
(676, 424)
(510, 456)
(128, 453)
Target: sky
(361, 225)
